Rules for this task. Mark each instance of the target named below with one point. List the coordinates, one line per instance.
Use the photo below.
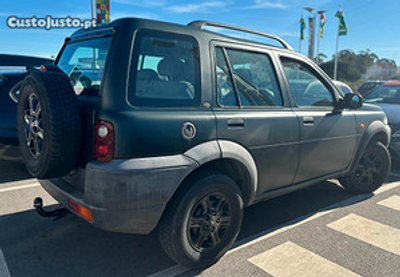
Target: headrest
(171, 67)
(147, 74)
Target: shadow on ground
(11, 165)
(35, 246)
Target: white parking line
(392, 202)
(283, 261)
(177, 270)
(4, 272)
(20, 187)
(369, 231)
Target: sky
(371, 24)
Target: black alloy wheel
(209, 221)
(371, 171)
(202, 221)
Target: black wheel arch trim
(224, 149)
(374, 129)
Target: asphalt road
(305, 233)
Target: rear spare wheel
(49, 126)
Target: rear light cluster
(104, 141)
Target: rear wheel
(202, 223)
(371, 171)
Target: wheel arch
(377, 131)
(228, 158)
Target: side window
(307, 89)
(165, 71)
(226, 92)
(251, 74)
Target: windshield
(84, 63)
(384, 94)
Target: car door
(252, 111)
(327, 137)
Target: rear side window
(165, 71)
(84, 63)
(246, 79)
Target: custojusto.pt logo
(48, 22)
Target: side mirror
(352, 101)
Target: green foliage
(352, 66)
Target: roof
(129, 22)
(18, 60)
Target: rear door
(328, 138)
(252, 111)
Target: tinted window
(84, 63)
(384, 94)
(253, 77)
(165, 70)
(307, 89)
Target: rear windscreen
(84, 63)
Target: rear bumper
(126, 196)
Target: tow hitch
(57, 213)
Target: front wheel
(202, 222)
(371, 171)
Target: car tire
(371, 171)
(49, 126)
(202, 221)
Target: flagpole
(300, 45)
(301, 32)
(319, 33)
(92, 8)
(336, 54)
(319, 37)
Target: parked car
(13, 69)
(368, 86)
(144, 125)
(387, 96)
(344, 88)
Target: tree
(321, 57)
(351, 66)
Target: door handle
(308, 120)
(236, 123)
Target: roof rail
(201, 24)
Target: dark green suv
(144, 125)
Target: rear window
(165, 70)
(84, 63)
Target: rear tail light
(104, 141)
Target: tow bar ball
(57, 213)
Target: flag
(342, 22)
(103, 12)
(322, 24)
(302, 27)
